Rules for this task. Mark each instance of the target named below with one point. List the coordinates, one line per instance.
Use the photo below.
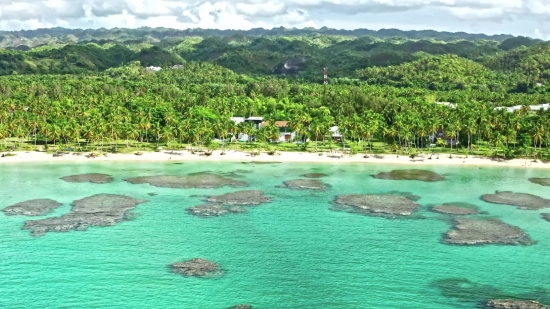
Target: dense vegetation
(130, 107)
(89, 89)
(410, 58)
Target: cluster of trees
(194, 105)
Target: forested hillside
(421, 59)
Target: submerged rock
(242, 306)
(38, 207)
(541, 181)
(483, 232)
(214, 210)
(514, 304)
(91, 177)
(546, 217)
(96, 210)
(244, 197)
(314, 175)
(376, 204)
(152, 194)
(199, 180)
(408, 195)
(456, 209)
(220, 205)
(524, 201)
(196, 268)
(411, 174)
(306, 184)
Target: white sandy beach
(296, 157)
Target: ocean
(294, 252)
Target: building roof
(534, 108)
(237, 120)
(449, 104)
(280, 124)
(255, 118)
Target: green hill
(445, 72)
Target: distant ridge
(163, 33)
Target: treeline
(37, 37)
(194, 105)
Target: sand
(303, 157)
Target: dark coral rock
(521, 200)
(91, 177)
(38, 207)
(96, 210)
(241, 306)
(244, 197)
(314, 175)
(410, 174)
(214, 210)
(196, 268)
(388, 205)
(546, 217)
(514, 304)
(541, 181)
(483, 232)
(306, 184)
(456, 209)
(199, 180)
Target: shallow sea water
(291, 253)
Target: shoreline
(284, 157)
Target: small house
(256, 120)
(441, 134)
(335, 134)
(285, 133)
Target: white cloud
(457, 15)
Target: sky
(517, 17)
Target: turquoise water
(292, 253)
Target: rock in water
(452, 209)
(541, 181)
(388, 205)
(214, 210)
(244, 197)
(200, 181)
(92, 177)
(411, 174)
(524, 201)
(314, 175)
(546, 217)
(196, 268)
(484, 232)
(96, 210)
(229, 203)
(306, 184)
(514, 304)
(242, 306)
(38, 207)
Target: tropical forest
(386, 91)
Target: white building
(153, 68)
(533, 108)
(335, 133)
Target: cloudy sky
(518, 17)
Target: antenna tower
(325, 77)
